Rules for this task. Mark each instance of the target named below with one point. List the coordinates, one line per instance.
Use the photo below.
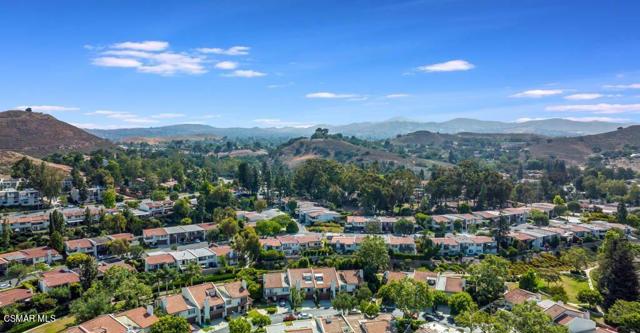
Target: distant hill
(371, 130)
(578, 149)
(426, 138)
(299, 150)
(37, 134)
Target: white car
(304, 315)
(5, 285)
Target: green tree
(193, 270)
(6, 235)
(461, 302)
(408, 295)
(625, 315)
(296, 297)
(530, 318)
(171, 324)
(239, 325)
(576, 257)
(260, 320)
(369, 309)
(529, 281)
(621, 213)
(618, 279)
(292, 227)
(539, 218)
(94, 301)
(373, 254)
(487, 279)
(109, 198)
(590, 296)
(182, 208)
(403, 226)
(343, 302)
(86, 265)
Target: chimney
(150, 310)
(244, 285)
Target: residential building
(309, 212)
(447, 282)
(11, 197)
(57, 278)
(156, 208)
(185, 234)
(204, 302)
(31, 222)
(93, 194)
(138, 320)
(322, 282)
(13, 296)
(43, 254)
(292, 245)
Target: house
(356, 324)
(518, 296)
(225, 251)
(292, 245)
(401, 244)
(346, 244)
(185, 234)
(94, 194)
(12, 296)
(155, 237)
(10, 183)
(574, 319)
(252, 216)
(138, 320)
(155, 261)
(103, 267)
(83, 245)
(43, 254)
(33, 222)
(156, 208)
(323, 282)
(359, 223)
(466, 245)
(309, 212)
(204, 302)
(57, 278)
(76, 216)
(448, 246)
(447, 282)
(11, 197)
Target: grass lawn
(572, 286)
(56, 326)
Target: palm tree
(171, 274)
(159, 276)
(191, 271)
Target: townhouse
(383, 323)
(185, 234)
(575, 320)
(292, 245)
(309, 212)
(93, 194)
(201, 303)
(359, 223)
(205, 257)
(11, 197)
(138, 320)
(57, 278)
(13, 296)
(350, 243)
(156, 208)
(10, 183)
(43, 254)
(447, 282)
(76, 216)
(252, 216)
(32, 222)
(464, 244)
(96, 246)
(400, 244)
(323, 282)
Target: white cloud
(602, 108)
(232, 51)
(275, 122)
(167, 115)
(397, 95)
(149, 45)
(226, 65)
(274, 86)
(330, 95)
(604, 119)
(245, 73)
(48, 108)
(537, 93)
(208, 116)
(127, 117)
(583, 96)
(144, 59)
(622, 86)
(449, 66)
(116, 62)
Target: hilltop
(299, 150)
(578, 149)
(38, 134)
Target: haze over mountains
(371, 130)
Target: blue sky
(111, 64)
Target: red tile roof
(58, 278)
(12, 296)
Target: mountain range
(370, 130)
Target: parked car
(5, 285)
(304, 315)
(283, 303)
